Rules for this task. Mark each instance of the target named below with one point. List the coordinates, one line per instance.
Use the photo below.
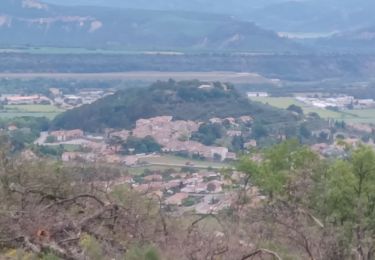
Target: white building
(257, 94)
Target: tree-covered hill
(182, 100)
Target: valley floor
(150, 76)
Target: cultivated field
(57, 50)
(149, 76)
(169, 160)
(354, 116)
(48, 111)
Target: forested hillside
(287, 66)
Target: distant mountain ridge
(362, 39)
(31, 22)
(220, 6)
(304, 16)
(316, 15)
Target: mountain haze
(304, 16)
(30, 22)
(362, 39)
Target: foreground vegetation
(311, 209)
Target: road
(42, 138)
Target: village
(324, 101)
(181, 186)
(172, 136)
(205, 192)
(185, 185)
(182, 172)
(56, 97)
(340, 102)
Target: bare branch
(87, 196)
(12, 241)
(96, 215)
(260, 252)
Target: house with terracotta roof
(177, 199)
(62, 136)
(27, 100)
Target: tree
(314, 202)
(217, 157)
(144, 145)
(296, 109)
(115, 141)
(279, 165)
(304, 131)
(208, 133)
(323, 137)
(259, 130)
(290, 131)
(350, 199)
(285, 176)
(314, 115)
(51, 139)
(238, 143)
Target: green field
(57, 51)
(353, 116)
(140, 170)
(167, 160)
(48, 111)
(363, 116)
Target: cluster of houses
(339, 102)
(205, 192)
(174, 136)
(202, 191)
(56, 97)
(62, 136)
(257, 94)
(25, 100)
(86, 96)
(339, 148)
